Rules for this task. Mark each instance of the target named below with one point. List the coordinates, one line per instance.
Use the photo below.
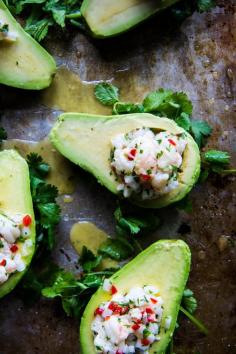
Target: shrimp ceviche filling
(146, 163)
(128, 323)
(14, 243)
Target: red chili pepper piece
(135, 327)
(119, 352)
(137, 320)
(98, 311)
(132, 154)
(27, 220)
(113, 289)
(124, 310)
(145, 177)
(14, 248)
(172, 142)
(154, 301)
(3, 262)
(113, 306)
(149, 310)
(145, 341)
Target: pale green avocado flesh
(165, 265)
(107, 18)
(23, 62)
(15, 197)
(86, 140)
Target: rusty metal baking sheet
(198, 58)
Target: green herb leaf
(200, 130)
(183, 121)
(88, 260)
(38, 168)
(205, 5)
(118, 249)
(47, 211)
(167, 103)
(155, 99)
(189, 302)
(217, 157)
(106, 93)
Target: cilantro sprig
(216, 162)
(162, 102)
(40, 15)
(47, 211)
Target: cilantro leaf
(38, 168)
(215, 161)
(205, 5)
(200, 130)
(88, 260)
(118, 249)
(217, 157)
(167, 103)
(49, 214)
(47, 211)
(183, 121)
(64, 284)
(106, 93)
(189, 302)
(154, 99)
(135, 224)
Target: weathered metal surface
(198, 58)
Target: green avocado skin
(166, 264)
(85, 139)
(18, 186)
(24, 63)
(108, 19)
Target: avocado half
(15, 197)
(23, 63)
(165, 264)
(85, 139)
(107, 18)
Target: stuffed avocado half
(17, 226)
(137, 307)
(148, 159)
(107, 18)
(23, 62)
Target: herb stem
(74, 15)
(137, 244)
(77, 24)
(105, 272)
(195, 321)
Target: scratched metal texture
(199, 58)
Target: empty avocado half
(15, 200)
(164, 265)
(85, 139)
(107, 18)
(23, 62)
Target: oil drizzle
(61, 174)
(69, 93)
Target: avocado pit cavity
(147, 163)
